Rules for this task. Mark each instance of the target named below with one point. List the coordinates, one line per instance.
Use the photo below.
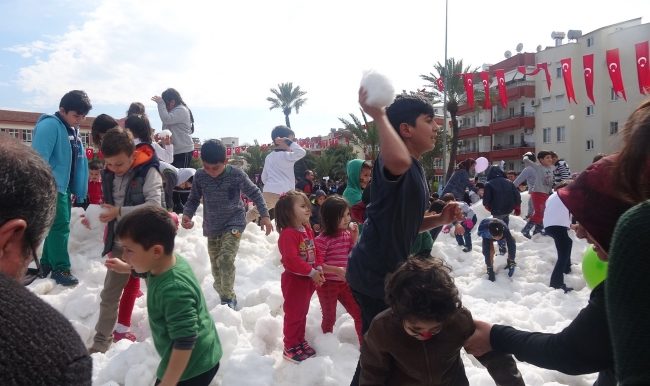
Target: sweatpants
(563, 244)
(297, 291)
(127, 301)
(328, 295)
(539, 204)
(55, 249)
(270, 198)
(222, 251)
(370, 307)
(466, 239)
(200, 380)
(531, 208)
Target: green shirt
(177, 309)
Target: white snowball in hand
(381, 92)
(92, 215)
(165, 133)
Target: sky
(224, 57)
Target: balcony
(525, 89)
(473, 131)
(464, 154)
(505, 123)
(510, 151)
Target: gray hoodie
(177, 121)
(543, 177)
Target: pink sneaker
(139, 295)
(127, 335)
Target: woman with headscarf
(584, 346)
(459, 181)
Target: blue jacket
(485, 233)
(500, 195)
(457, 184)
(52, 142)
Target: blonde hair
(284, 214)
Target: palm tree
(455, 97)
(364, 135)
(324, 164)
(287, 98)
(254, 157)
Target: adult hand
(187, 223)
(451, 213)
(156, 98)
(117, 265)
(110, 214)
(374, 112)
(265, 224)
(479, 343)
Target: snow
(381, 92)
(252, 336)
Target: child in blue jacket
(491, 230)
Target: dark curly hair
(422, 289)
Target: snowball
(381, 92)
(165, 133)
(572, 117)
(92, 215)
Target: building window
(547, 135)
(560, 103)
(558, 72)
(546, 105)
(511, 111)
(85, 137)
(590, 144)
(590, 110)
(511, 139)
(511, 165)
(27, 135)
(561, 134)
(590, 42)
(612, 94)
(13, 133)
(613, 128)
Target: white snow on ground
(252, 336)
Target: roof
(614, 25)
(28, 117)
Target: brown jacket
(389, 356)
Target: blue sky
(225, 56)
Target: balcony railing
(519, 84)
(504, 146)
(512, 116)
(465, 151)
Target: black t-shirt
(394, 217)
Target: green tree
(428, 159)
(308, 162)
(342, 154)
(196, 163)
(287, 98)
(254, 157)
(367, 138)
(324, 164)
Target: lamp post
(444, 105)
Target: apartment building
(20, 124)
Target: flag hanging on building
(503, 93)
(614, 68)
(538, 68)
(468, 81)
(100, 154)
(567, 74)
(263, 146)
(237, 149)
(229, 151)
(243, 148)
(485, 78)
(642, 69)
(588, 64)
(89, 153)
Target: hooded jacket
(353, 191)
(457, 184)
(500, 195)
(389, 356)
(52, 142)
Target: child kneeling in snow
(418, 339)
(492, 229)
(303, 271)
(334, 244)
(183, 331)
(462, 228)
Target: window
(558, 72)
(612, 94)
(511, 165)
(546, 105)
(512, 112)
(590, 110)
(511, 139)
(560, 103)
(437, 163)
(590, 144)
(435, 111)
(85, 137)
(561, 134)
(13, 133)
(590, 42)
(547, 135)
(613, 128)
(27, 135)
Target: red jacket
(298, 251)
(95, 192)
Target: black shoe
(46, 270)
(467, 249)
(527, 228)
(564, 288)
(490, 273)
(567, 271)
(502, 249)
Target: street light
(444, 105)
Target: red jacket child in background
(95, 183)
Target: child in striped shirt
(338, 236)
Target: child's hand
(187, 223)
(117, 265)
(316, 228)
(84, 221)
(374, 112)
(265, 224)
(167, 140)
(318, 278)
(110, 215)
(459, 230)
(341, 273)
(281, 143)
(156, 98)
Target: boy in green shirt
(183, 331)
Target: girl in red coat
(303, 271)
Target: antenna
(520, 47)
(539, 48)
(486, 66)
(507, 54)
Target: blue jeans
(466, 239)
(563, 244)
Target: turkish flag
(486, 88)
(243, 148)
(567, 72)
(614, 68)
(468, 81)
(100, 154)
(642, 69)
(441, 84)
(538, 68)
(263, 146)
(229, 151)
(503, 93)
(588, 64)
(89, 153)
(237, 150)
(196, 153)
(336, 142)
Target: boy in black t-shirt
(399, 200)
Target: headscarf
(353, 191)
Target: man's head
(282, 131)
(74, 107)
(27, 205)
(119, 150)
(496, 228)
(422, 295)
(213, 156)
(512, 176)
(364, 176)
(94, 170)
(147, 235)
(412, 117)
(309, 175)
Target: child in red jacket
(303, 271)
(95, 183)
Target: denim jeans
(563, 244)
(466, 238)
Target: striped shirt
(335, 251)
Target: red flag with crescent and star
(503, 93)
(486, 88)
(588, 64)
(614, 68)
(263, 146)
(567, 74)
(642, 67)
(468, 81)
(89, 153)
(229, 151)
(196, 153)
(243, 148)
(538, 68)
(441, 84)
(237, 149)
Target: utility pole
(444, 106)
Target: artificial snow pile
(252, 336)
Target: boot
(527, 228)
(490, 273)
(539, 228)
(502, 247)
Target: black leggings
(563, 244)
(200, 380)
(181, 160)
